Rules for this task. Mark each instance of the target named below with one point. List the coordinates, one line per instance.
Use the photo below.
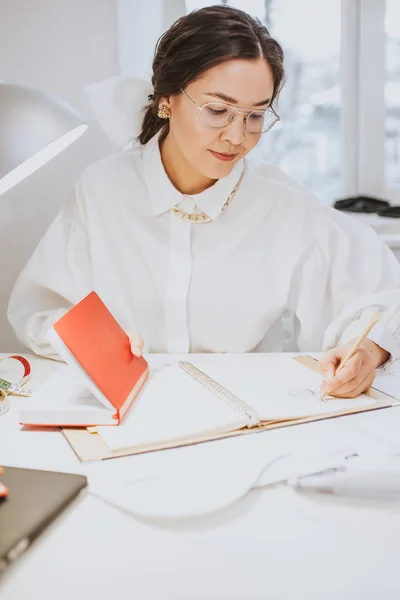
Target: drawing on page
(305, 393)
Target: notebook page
(277, 387)
(171, 406)
(64, 391)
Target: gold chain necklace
(203, 217)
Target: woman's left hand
(357, 375)
(136, 342)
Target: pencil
(357, 343)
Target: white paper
(267, 383)
(64, 390)
(388, 384)
(223, 473)
(64, 399)
(171, 406)
(174, 407)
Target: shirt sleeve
(345, 275)
(55, 278)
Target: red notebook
(102, 378)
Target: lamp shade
(33, 129)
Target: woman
(198, 248)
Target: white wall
(138, 31)
(57, 46)
(140, 24)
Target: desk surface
(274, 544)
(387, 228)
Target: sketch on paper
(307, 393)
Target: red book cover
(102, 348)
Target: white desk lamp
(33, 129)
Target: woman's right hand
(136, 342)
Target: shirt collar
(163, 194)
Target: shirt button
(187, 205)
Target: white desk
(275, 544)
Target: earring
(163, 112)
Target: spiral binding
(219, 391)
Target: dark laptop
(34, 499)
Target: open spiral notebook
(218, 396)
(133, 408)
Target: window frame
(363, 101)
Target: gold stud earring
(163, 112)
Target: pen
(384, 485)
(357, 343)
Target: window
(392, 94)
(306, 142)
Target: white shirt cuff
(382, 336)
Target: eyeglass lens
(219, 115)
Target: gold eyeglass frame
(239, 110)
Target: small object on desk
(14, 388)
(361, 204)
(379, 484)
(3, 491)
(4, 403)
(390, 211)
(7, 387)
(102, 378)
(372, 322)
(35, 499)
(17, 389)
(24, 362)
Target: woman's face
(246, 84)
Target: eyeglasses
(220, 114)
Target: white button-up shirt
(273, 255)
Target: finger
(134, 337)
(365, 370)
(328, 363)
(349, 372)
(361, 372)
(136, 342)
(345, 390)
(359, 389)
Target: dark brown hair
(199, 41)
